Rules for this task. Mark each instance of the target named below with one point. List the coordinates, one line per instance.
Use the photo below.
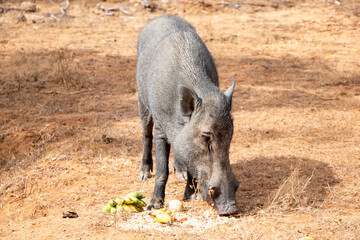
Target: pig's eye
(206, 137)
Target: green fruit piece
(139, 209)
(144, 203)
(112, 203)
(126, 208)
(106, 208)
(136, 195)
(113, 210)
(134, 200)
(140, 204)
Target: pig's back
(171, 53)
(149, 40)
(157, 30)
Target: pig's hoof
(144, 175)
(154, 206)
(181, 175)
(155, 203)
(189, 197)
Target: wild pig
(179, 96)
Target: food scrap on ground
(130, 203)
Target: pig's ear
(188, 100)
(230, 91)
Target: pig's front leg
(162, 149)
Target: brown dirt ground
(70, 136)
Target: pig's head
(203, 144)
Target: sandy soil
(70, 136)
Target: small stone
(28, 6)
(70, 214)
(21, 18)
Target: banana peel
(160, 211)
(162, 216)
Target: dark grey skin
(179, 97)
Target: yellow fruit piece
(130, 208)
(165, 211)
(306, 238)
(125, 207)
(160, 211)
(163, 218)
(119, 201)
(133, 208)
(127, 200)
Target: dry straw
(291, 192)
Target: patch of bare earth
(70, 136)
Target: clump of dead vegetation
(350, 7)
(64, 66)
(292, 192)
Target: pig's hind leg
(146, 164)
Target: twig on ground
(64, 6)
(7, 9)
(147, 4)
(112, 9)
(69, 93)
(52, 15)
(230, 5)
(125, 12)
(144, 3)
(106, 10)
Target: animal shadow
(283, 182)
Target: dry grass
(350, 7)
(291, 193)
(64, 66)
(63, 86)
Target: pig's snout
(227, 210)
(224, 208)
